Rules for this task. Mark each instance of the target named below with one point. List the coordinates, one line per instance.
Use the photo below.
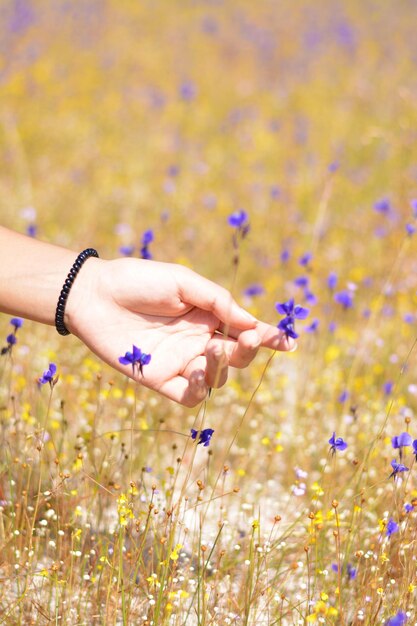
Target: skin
(191, 326)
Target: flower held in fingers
(292, 312)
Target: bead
(63, 296)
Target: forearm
(31, 276)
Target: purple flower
(49, 376)
(397, 468)
(388, 387)
(337, 444)
(31, 230)
(11, 339)
(147, 238)
(136, 358)
(410, 229)
(414, 207)
(292, 312)
(312, 327)
(392, 527)
(343, 396)
(254, 290)
(415, 448)
(397, 620)
(302, 281)
(17, 322)
(204, 436)
(285, 255)
(332, 280)
(305, 259)
(401, 441)
(127, 250)
(188, 91)
(345, 298)
(238, 219)
(382, 206)
(310, 298)
(275, 192)
(408, 507)
(333, 167)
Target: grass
(117, 117)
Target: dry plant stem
(339, 566)
(239, 426)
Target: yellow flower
(124, 510)
(175, 553)
(321, 609)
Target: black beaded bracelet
(63, 296)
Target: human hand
(192, 327)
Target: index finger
(271, 336)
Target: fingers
(188, 392)
(240, 353)
(270, 336)
(206, 295)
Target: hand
(192, 327)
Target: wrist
(80, 296)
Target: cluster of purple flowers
(147, 238)
(11, 338)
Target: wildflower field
(270, 146)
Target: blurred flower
(350, 570)
(408, 318)
(136, 358)
(345, 298)
(414, 207)
(305, 259)
(382, 205)
(147, 238)
(126, 250)
(392, 527)
(292, 312)
(11, 339)
(238, 219)
(401, 440)
(332, 280)
(285, 255)
(333, 167)
(187, 91)
(410, 229)
(275, 192)
(397, 620)
(204, 436)
(415, 448)
(301, 281)
(408, 507)
(397, 468)
(388, 387)
(312, 327)
(49, 376)
(254, 290)
(310, 298)
(337, 444)
(17, 322)
(343, 396)
(31, 230)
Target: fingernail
(199, 380)
(294, 348)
